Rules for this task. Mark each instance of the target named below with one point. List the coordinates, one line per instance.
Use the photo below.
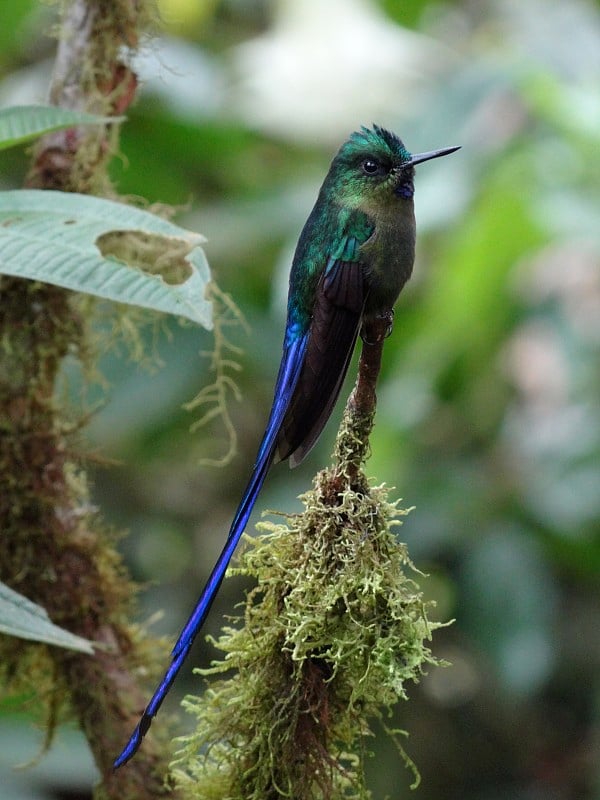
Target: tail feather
(191, 629)
(289, 372)
(200, 612)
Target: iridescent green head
(373, 166)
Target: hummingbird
(353, 257)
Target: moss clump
(333, 631)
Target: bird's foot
(377, 328)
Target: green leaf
(20, 124)
(106, 249)
(20, 617)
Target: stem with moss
(352, 444)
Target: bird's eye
(370, 166)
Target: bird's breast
(388, 257)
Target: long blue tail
(289, 371)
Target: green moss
(334, 630)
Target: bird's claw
(378, 328)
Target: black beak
(420, 157)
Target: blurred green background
(489, 412)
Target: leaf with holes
(106, 249)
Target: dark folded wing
(334, 327)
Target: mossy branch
(333, 631)
(53, 548)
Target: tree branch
(352, 443)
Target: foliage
(92, 245)
(21, 124)
(21, 617)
